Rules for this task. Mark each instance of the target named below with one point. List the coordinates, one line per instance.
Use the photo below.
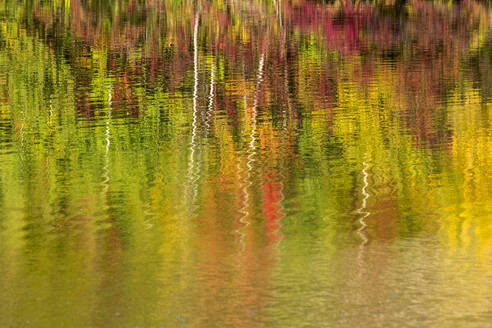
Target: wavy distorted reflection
(193, 172)
(362, 211)
(245, 163)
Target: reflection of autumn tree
(325, 63)
(424, 45)
(351, 95)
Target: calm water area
(245, 163)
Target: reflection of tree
(423, 45)
(325, 91)
(148, 56)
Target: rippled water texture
(219, 163)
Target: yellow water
(245, 164)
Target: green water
(284, 163)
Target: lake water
(227, 163)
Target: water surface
(245, 163)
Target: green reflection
(245, 163)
